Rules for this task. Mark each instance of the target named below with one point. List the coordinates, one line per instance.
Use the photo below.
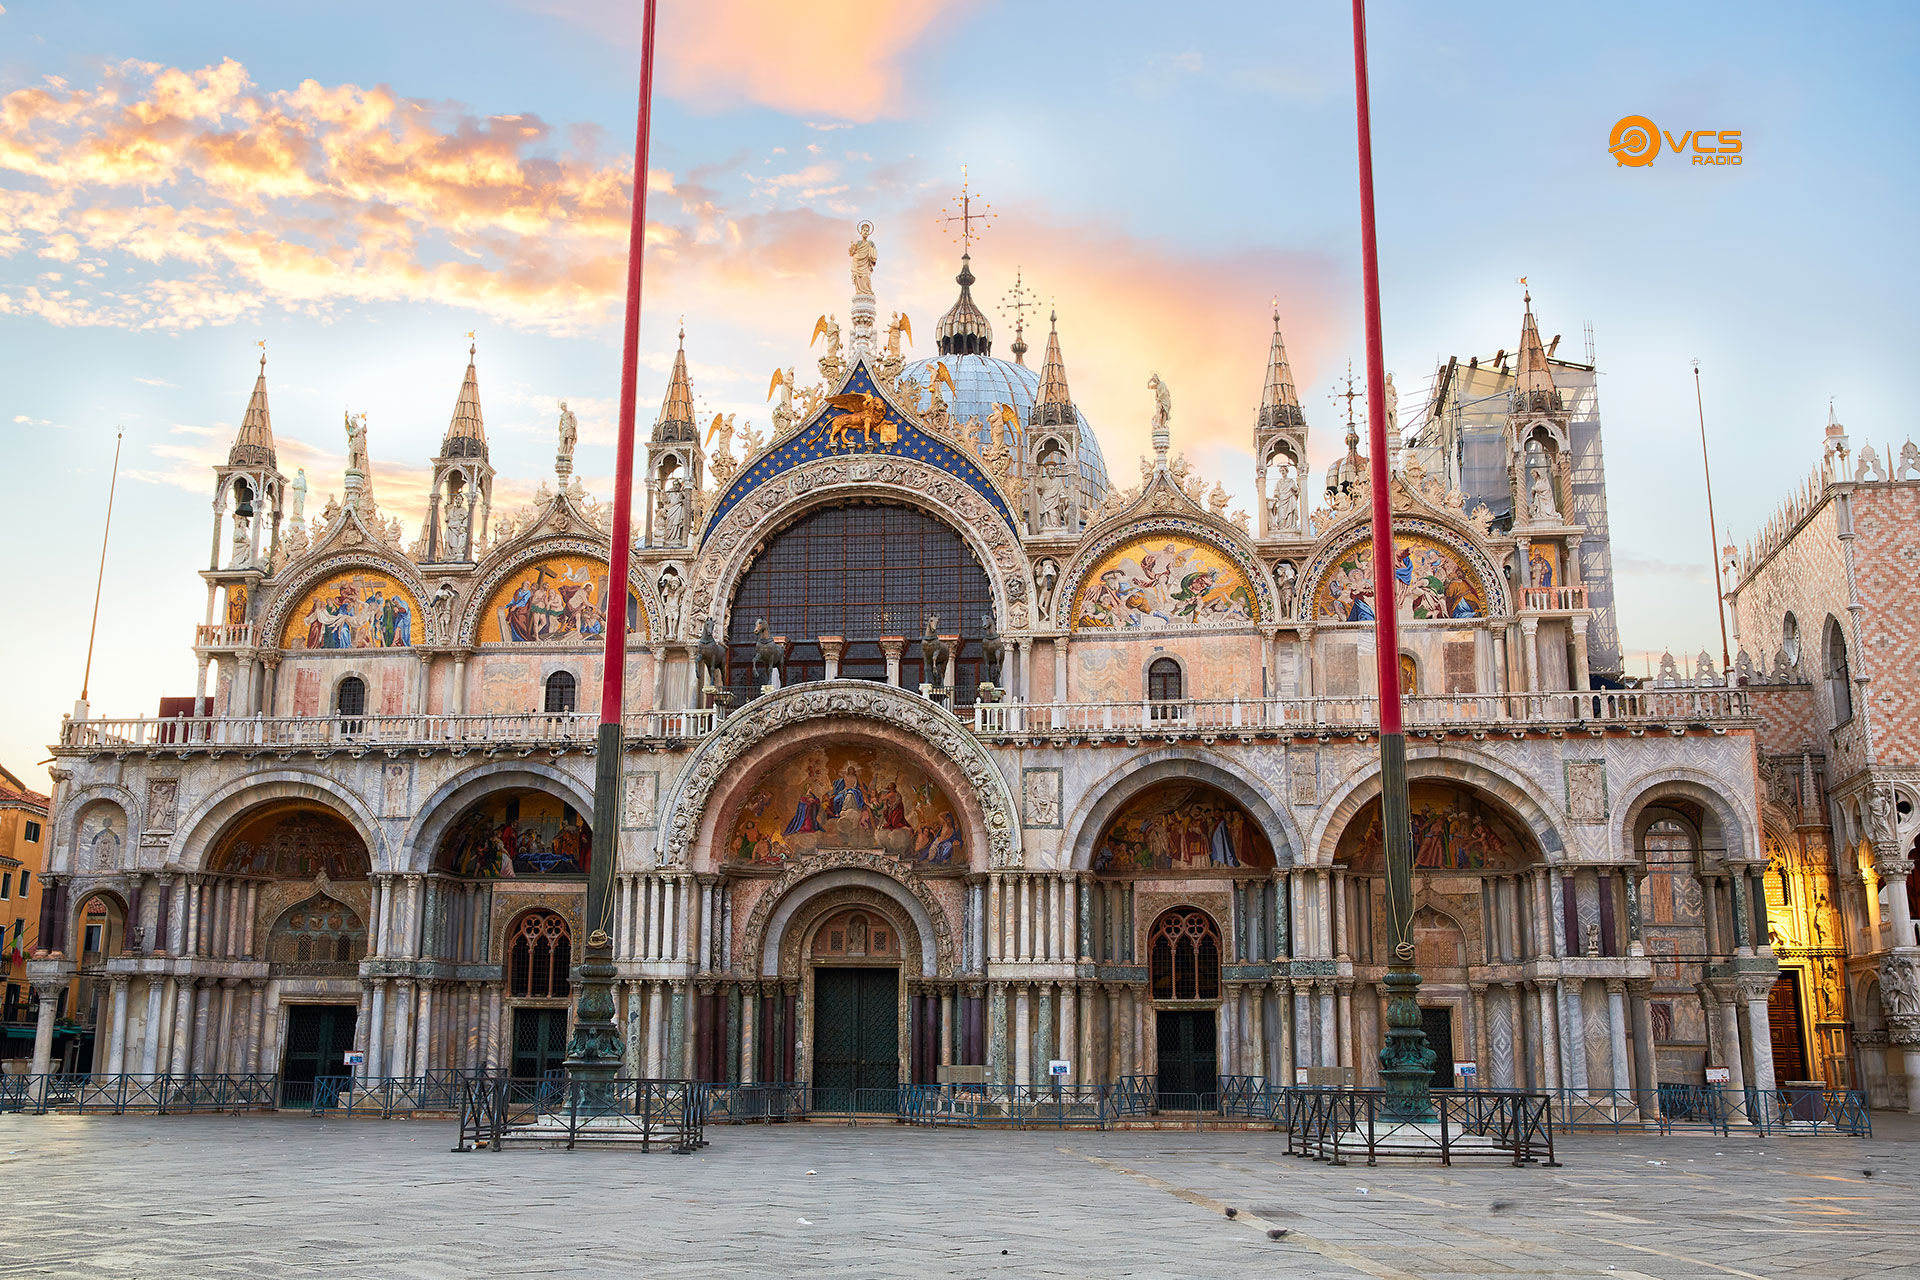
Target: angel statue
(782, 386)
(865, 256)
(569, 431)
(829, 325)
(899, 325)
(722, 427)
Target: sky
(360, 186)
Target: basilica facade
(944, 747)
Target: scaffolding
(1463, 435)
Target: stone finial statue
(569, 431)
(673, 512)
(299, 488)
(1541, 497)
(242, 557)
(865, 256)
(1283, 504)
(1046, 576)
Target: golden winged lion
(863, 412)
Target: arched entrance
(288, 884)
(854, 959)
(1183, 954)
(1476, 925)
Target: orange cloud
(311, 196)
(829, 58)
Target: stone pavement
(268, 1196)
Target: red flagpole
(1406, 1061)
(595, 1050)
(614, 662)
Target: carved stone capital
(1892, 868)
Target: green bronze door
(318, 1037)
(856, 1039)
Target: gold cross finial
(1018, 301)
(967, 215)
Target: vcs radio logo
(1635, 142)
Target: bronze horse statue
(934, 652)
(769, 655)
(713, 659)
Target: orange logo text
(1636, 140)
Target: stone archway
(774, 725)
(1103, 801)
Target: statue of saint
(457, 527)
(357, 444)
(1544, 507)
(673, 588)
(242, 542)
(864, 256)
(1283, 504)
(1162, 403)
(1392, 408)
(1056, 500)
(673, 512)
(569, 431)
(300, 497)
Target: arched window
(1165, 688)
(538, 957)
(562, 692)
(1839, 677)
(350, 701)
(1185, 952)
(861, 573)
(320, 931)
(1790, 639)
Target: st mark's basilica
(947, 745)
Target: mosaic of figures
(557, 600)
(359, 609)
(1453, 830)
(846, 797)
(518, 833)
(1432, 583)
(1543, 565)
(1181, 826)
(293, 843)
(1157, 582)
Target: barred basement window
(562, 692)
(1185, 954)
(538, 957)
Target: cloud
(158, 382)
(837, 59)
(230, 199)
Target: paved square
(290, 1196)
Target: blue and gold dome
(982, 380)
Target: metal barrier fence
(1668, 1109)
(1334, 1124)
(773, 1103)
(1015, 1106)
(496, 1111)
(128, 1093)
(437, 1092)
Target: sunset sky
(361, 185)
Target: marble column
(156, 1022)
(49, 994)
(117, 1043)
(1617, 1030)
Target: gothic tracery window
(538, 957)
(1185, 955)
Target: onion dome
(964, 329)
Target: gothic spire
(253, 444)
(1533, 389)
(1054, 406)
(1279, 402)
(466, 431)
(675, 423)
